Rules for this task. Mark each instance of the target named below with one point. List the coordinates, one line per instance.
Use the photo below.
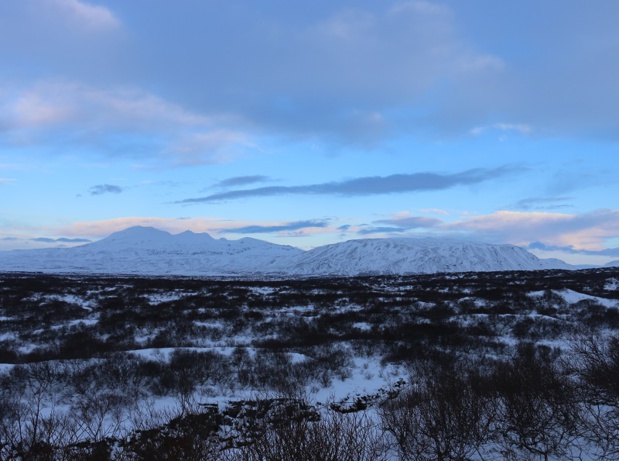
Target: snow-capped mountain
(406, 255)
(149, 251)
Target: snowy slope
(405, 255)
(149, 251)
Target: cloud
(6, 181)
(583, 231)
(53, 102)
(101, 189)
(412, 222)
(98, 229)
(372, 185)
(60, 240)
(520, 128)
(435, 211)
(72, 39)
(116, 120)
(349, 72)
(86, 15)
(292, 226)
(241, 181)
(400, 223)
(586, 234)
(542, 203)
(380, 230)
(581, 175)
(610, 252)
(328, 71)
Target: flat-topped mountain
(149, 251)
(425, 255)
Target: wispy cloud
(86, 15)
(371, 185)
(60, 240)
(54, 102)
(153, 127)
(94, 229)
(380, 230)
(101, 189)
(412, 222)
(261, 229)
(401, 223)
(610, 252)
(5, 181)
(241, 181)
(520, 128)
(542, 203)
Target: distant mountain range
(149, 251)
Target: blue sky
(307, 123)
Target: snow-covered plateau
(149, 251)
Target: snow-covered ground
(169, 345)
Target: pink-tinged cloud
(103, 228)
(33, 109)
(582, 231)
(99, 229)
(587, 231)
(54, 102)
(180, 136)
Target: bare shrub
(443, 416)
(596, 366)
(31, 425)
(335, 437)
(537, 409)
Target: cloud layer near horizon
(571, 233)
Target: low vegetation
(473, 366)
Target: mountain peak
(139, 232)
(193, 237)
(141, 229)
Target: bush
(444, 415)
(537, 410)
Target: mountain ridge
(150, 251)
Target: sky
(309, 123)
